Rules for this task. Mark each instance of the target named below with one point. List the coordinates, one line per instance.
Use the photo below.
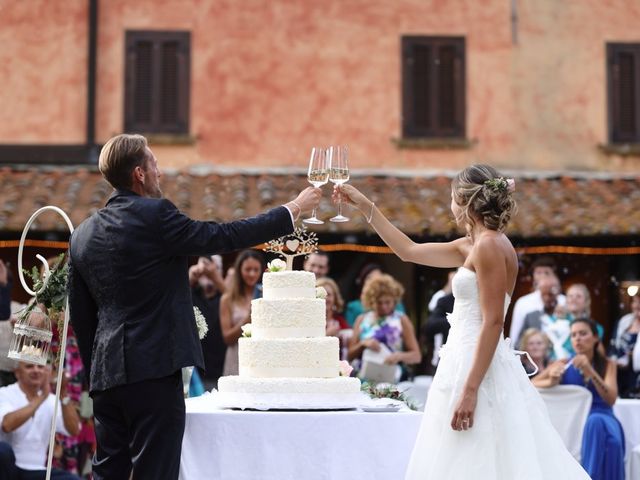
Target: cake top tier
(289, 284)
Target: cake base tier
(337, 393)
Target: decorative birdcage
(31, 336)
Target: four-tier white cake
(288, 362)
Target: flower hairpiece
(501, 183)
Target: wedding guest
(625, 349)
(542, 267)
(207, 287)
(538, 346)
(26, 412)
(235, 304)
(318, 263)
(335, 304)
(382, 324)
(445, 290)
(131, 309)
(603, 437)
(578, 305)
(355, 307)
(5, 292)
(557, 330)
(436, 329)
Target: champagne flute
(318, 175)
(338, 174)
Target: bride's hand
(349, 194)
(463, 414)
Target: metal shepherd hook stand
(63, 336)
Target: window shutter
(433, 87)
(157, 82)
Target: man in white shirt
(543, 267)
(26, 411)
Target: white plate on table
(382, 408)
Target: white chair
(568, 407)
(633, 466)
(417, 390)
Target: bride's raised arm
(441, 254)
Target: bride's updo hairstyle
(484, 195)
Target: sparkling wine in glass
(318, 175)
(339, 174)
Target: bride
(483, 419)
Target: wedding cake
(287, 361)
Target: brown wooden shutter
(433, 87)
(157, 82)
(624, 92)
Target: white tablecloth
(283, 445)
(628, 412)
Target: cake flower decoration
(246, 330)
(321, 293)
(276, 265)
(345, 368)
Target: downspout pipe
(92, 148)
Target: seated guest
(26, 411)
(355, 307)
(207, 286)
(235, 304)
(603, 438)
(578, 305)
(318, 263)
(5, 292)
(335, 304)
(538, 346)
(556, 329)
(382, 324)
(625, 349)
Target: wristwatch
(65, 401)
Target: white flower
(246, 330)
(321, 293)
(276, 265)
(201, 323)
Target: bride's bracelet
(370, 217)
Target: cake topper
(300, 242)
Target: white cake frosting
(288, 318)
(288, 362)
(289, 357)
(289, 284)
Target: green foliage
(54, 296)
(387, 391)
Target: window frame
(616, 135)
(435, 129)
(156, 125)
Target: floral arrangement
(54, 296)
(501, 183)
(387, 391)
(388, 335)
(321, 293)
(246, 330)
(201, 323)
(276, 265)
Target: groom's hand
(308, 199)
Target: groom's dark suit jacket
(129, 296)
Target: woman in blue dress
(603, 438)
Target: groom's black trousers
(139, 426)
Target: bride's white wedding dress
(512, 437)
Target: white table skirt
(627, 410)
(283, 445)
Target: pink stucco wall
(272, 78)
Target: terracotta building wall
(272, 78)
(43, 65)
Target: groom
(131, 309)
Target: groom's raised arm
(185, 236)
